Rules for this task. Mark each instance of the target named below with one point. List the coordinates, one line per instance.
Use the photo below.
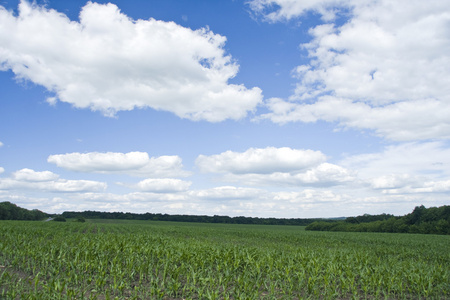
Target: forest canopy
(433, 220)
(10, 211)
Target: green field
(162, 260)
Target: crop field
(162, 260)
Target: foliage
(59, 219)
(161, 260)
(434, 220)
(187, 218)
(10, 211)
(366, 218)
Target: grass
(106, 259)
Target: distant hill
(10, 211)
(433, 220)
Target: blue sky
(264, 108)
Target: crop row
(158, 260)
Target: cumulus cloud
(407, 184)
(442, 186)
(1, 144)
(2, 170)
(280, 10)
(404, 169)
(163, 185)
(310, 196)
(31, 175)
(227, 193)
(235, 201)
(132, 163)
(404, 121)
(222, 200)
(27, 179)
(275, 166)
(260, 161)
(108, 62)
(436, 186)
(373, 72)
(325, 174)
(421, 159)
(393, 181)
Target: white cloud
(1, 144)
(425, 187)
(436, 186)
(325, 174)
(163, 185)
(260, 161)
(76, 186)
(108, 62)
(27, 179)
(31, 175)
(2, 170)
(280, 10)
(52, 101)
(404, 121)
(405, 169)
(227, 193)
(275, 166)
(393, 181)
(415, 159)
(309, 196)
(387, 69)
(132, 163)
(100, 162)
(236, 201)
(406, 184)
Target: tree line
(10, 211)
(433, 220)
(187, 218)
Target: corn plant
(163, 260)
